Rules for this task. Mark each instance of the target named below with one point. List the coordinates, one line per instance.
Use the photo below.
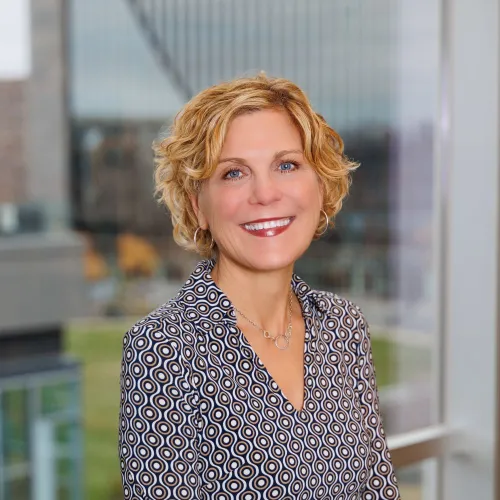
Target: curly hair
(190, 152)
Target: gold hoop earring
(327, 221)
(196, 233)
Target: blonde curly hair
(190, 152)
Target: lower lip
(266, 233)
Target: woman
(249, 384)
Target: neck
(262, 296)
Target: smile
(269, 227)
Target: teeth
(268, 225)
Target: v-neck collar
(202, 293)
(270, 380)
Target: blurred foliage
(137, 256)
(95, 266)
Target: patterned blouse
(201, 417)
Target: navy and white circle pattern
(201, 417)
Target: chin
(267, 254)
(274, 260)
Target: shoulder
(335, 305)
(341, 312)
(156, 350)
(166, 324)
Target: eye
(290, 166)
(232, 174)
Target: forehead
(265, 130)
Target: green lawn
(100, 352)
(100, 349)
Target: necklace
(283, 339)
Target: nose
(265, 190)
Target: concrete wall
(47, 125)
(12, 141)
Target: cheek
(222, 206)
(308, 194)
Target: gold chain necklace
(288, 333)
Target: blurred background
(85, 251)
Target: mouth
(268, 227)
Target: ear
(202, 220)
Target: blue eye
(292, 166)
(229, 175)
(285, 167)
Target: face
(263, 201)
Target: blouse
(201, 417)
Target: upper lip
(268, 219)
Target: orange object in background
(95, 266)
(136, 256)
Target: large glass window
(370, 68)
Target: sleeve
(157, 424)
(382, 483)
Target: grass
(384, 358)
(99, 349)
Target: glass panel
(64, 492)
(65, 469)
(18, 489)
(418, 481)
(15, 431)
(382, 252)
(58, 397)
(67, 464)
(412, 398)
(66, 434)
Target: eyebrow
(277, 155)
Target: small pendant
(285, 342)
